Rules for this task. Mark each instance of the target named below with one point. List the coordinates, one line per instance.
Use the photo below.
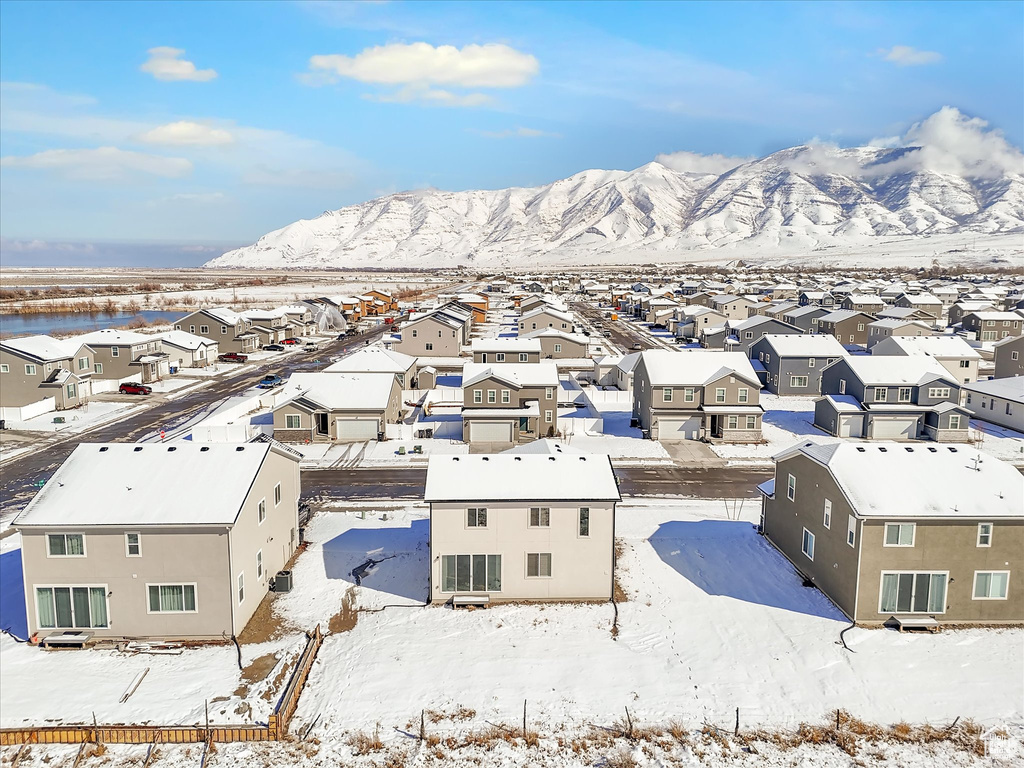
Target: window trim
(259, 564)
(826, 514)
(913, 535)
(974, 585)
(579, 523)
(804, 538)
(475, 512)
(540, 510)
(287, 421)
(35, 604)
(851, 531)
(666, 394)
(539, 575)
(127, 545)
(240, 587)
(791, 487)
(881, 583)
(85, 548)
(793, 378)
(183, 584)
(991, 531)
(277, 495)
(5, 368)
(720, 394)
(261, 511)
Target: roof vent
(204, 448)
(951, 449)
(933, 449)
(883, 449)
(583, 458)
(239, 447)
(455, 458)
(486, 458)
(860, 448)
(551, 458)
(518, 458)
(908, 449)
(104, 448)
(138, 448)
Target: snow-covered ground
(93, 413)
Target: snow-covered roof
(838, 315)
(896, 480)
(555, 333)
(544, 374)
(127, 484)
(508, 344)
(342, 391)
(668, 367)
(805, 345)
(186, 340)
(373, 360)
(865, 298)
(113, 337)
(1010, 388)
(930, 346)
(504, 477)
(894, 369)
(547, 310)
(896, 322)
(754, 321)
(801, 311)
(225, 315)
(844, 403)
(43, 348)
(627, 363)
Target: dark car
(274, 348)
(232, 357)
(270, 381)
(290, 341)
(134, 389)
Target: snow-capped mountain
(801, 199)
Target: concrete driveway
(693, 453)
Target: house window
(584, 521)
(666, 394)
(720, 395)
(277, 494)
(798, 382)
(259, 565)
(791, 488)
(990, 585)
(938, 393)
(904, 592)
(30, 370)
(548, 416)
(540, 517)
(807, 544)
(558, 347)
(241, 587)
(70, 389)
(954, 421)
(133, 545)
(827, 520)
(899, 534)
(83, 363)
(114, 352)
(860, 326)
(414, 333)
(733, 422)
(261, 511)
(538, 565)
(5, 368)
(842, 386)
(492, 395)
(191, 329)
(751, 422)
(429, 346)
(292, 421)
(476, 517)
(478, 396)
(465, 573)
(984, 534)
(223, 329)
(851, 530)
(65, 545)
(748, 334)
(743, 394)
(881, 393)
(98, 367)
(506, 396)
(499, 357)
(72, 607)
(1014, 355)
(965, 363)
(689, 395)
(204, 329)
(549, 393)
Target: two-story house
(121, 355)
(521, 527)
(438, 333)
(886, 327)
(793, 363)
(740, 335)
(956, 313)
(803, 317)
(697, 394)
(862, 302)
(40, 374)
(556, 344)
(893, 533)
(849, 326)
(506, 350)
(997, 401)
(112, 548)
(956, 355)
(188, 350)
(545, 317)
(992, 325)
(225, 326)
(377, 359)
(883, 397)
(923, 302)
(1008, 356)
(509, 403)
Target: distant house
(823, 299)
(697, 394)
(545, 317)
(556, 344)
(891, 532)
(509, 403)
(229, 329)
(616, 371)
(991, 325)
(506, 350)
(794, 362)
(740, 335)
(804, 317)
(956, 355)
(439, 333)
(521, 527)
(188, 350)
(122, 355)
(862, 302)
(958, 310)
(378, 360)
(882, 397)
(997, 401)
(40, 374)
(111, 548)
(924, 302)
(849, 326)
(886, 327)
(337, 407)
(1008, 356)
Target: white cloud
(908, 56)
(166, 64)
(693, 162)
(187, 133)
(437, 97)
(519, 133)
(493, 65)
(101, 164)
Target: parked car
(638, 346)
(274, 347)
(134, 389)
(232, 357)
(270, 381)
(290, 341)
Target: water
(50, 323)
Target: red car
(134, 389)
(290, 341)
(232, 357)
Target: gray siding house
(34, 369)
(793, 363)
(121, 355)
(509, 403)
(1008, 355)
(229, 329)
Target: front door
(321, 423)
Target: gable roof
(114, 337)
(1010, 388)
(342, 391)
(929, 346)
(43, 348)
(373, 360)
(555, 333)
(547, 310)
(895, 369)
(185, 340)
(805, 345)
(127, 484)
(839, 315)
(669, 368)
(505, 477)
(543, 374)
(896, 480)
(757, 320)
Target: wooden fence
(275, 729)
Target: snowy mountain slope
(803, 198)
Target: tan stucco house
(888, 531)
(158, 541)
(521, 527)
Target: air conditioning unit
(283, 581)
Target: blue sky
(213, 123)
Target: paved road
(408, 482)
(19, 477)
(618, 332)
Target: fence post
(737, 731)
(524, 718)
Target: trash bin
(283, 581)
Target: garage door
(894, 427)
(490, 432)
(357, 429)
(850, 426)
(679, 429)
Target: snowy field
(92, 414)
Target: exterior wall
(995, 410)
(18, 388)
(307, 433)
(851, 331)
(834, 567)
(544, 320)
(445, 341)
(946, 546)
(993, 330)
(538, 427)
(755, 334)
(119, 366)
(1006, 365)
(508, 357)
(836, 373)
(169, 556)
(581, 567)
(805, 320)
(567, 349)
(304, 434)
(277, 537)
